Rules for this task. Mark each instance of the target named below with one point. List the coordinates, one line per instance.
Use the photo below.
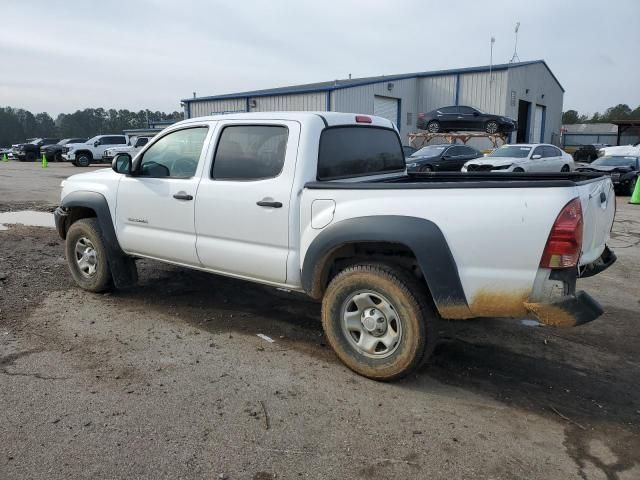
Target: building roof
(356, 82)
(591, 128)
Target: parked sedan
(624, 171)
(443, 158)
(463, 118)
(531, 157)
(54, 152)
(408, 150)
(588, 153)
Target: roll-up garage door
(386, 107)
(537, 124)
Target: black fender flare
(122, 266)
(423, 237)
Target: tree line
(622, 111)
(17, 124)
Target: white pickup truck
(321, 203)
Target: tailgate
(598, 201)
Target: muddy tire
(378, 321)
(87, 256)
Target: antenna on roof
(194, 94)
(349, 76)
(515, 57)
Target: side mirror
(475, 114)
(96, 143)
(122, 163)
(536, 157)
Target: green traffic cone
(635, 197)
(5, 158)
(44, 161)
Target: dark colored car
(463, 118)
(53, 152)
(408, 150)
(441, 158)
(31, 151)
(588, 153)
(624, 171)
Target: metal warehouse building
(526, 91)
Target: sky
(60, 56)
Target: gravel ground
(170, 380)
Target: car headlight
(412, 165)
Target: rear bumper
(568, 311)
(577, 307)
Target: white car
(320, 203)
(620, 151)
(521, 157)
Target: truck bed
(438, 180)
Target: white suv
(83, 154)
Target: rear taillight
(565, 240)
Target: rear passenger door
(553, 159)
(242, 206)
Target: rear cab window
(357, 151)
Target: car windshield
(514, 151)
(35, 141)
(93, 139)
(616, 161)
(64, 141)
(429, 151)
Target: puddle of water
(30, 218)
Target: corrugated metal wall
(203, 108)
(491, 93)
(360, 100)
(436, 92)
(484, 91)
(298, 102)
(534, 83)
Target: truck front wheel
(87, 255)
(378, 321)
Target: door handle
(264, 203)
(183, 196)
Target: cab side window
(250, 152)
(175, 155)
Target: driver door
(155, 205)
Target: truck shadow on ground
(531, 368)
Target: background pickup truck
(133, 146)
(321, 203)
(91, 151)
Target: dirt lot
(170, 380)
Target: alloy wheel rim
(371, 324)
(86, 257)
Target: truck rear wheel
(87, 255)
(378, 321)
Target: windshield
(616, 161)
(514, 151)
(35, 141)
(429, 151)
(93, 139)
